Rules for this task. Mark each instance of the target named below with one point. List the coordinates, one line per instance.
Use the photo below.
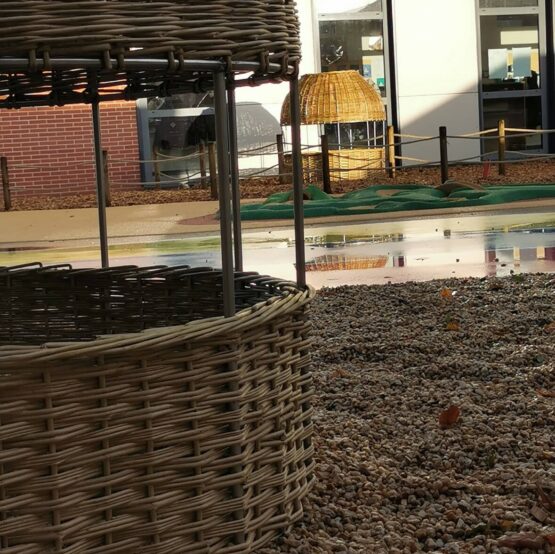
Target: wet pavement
(381, 252)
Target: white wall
(436, 55)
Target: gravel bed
(388, 359)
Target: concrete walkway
(194, 218)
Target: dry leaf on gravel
(449, 417)
(520, 542)
(340, 373)
(546, 393)
(550, 328)
(446, 293)
(453, 326)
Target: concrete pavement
(181, 219)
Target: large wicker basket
(174, 431)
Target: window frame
(542, 92)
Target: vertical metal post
(298, 185)
(100, 185)
(443, 154)
(326, 175)
(224, 192)
(281, 160)
(235, 185)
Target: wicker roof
(336, 97)
(119, 35)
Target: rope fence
(198, 168)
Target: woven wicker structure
(190, 436)
(351, 164)
(157, 410)
(119, 32)
(336, 97)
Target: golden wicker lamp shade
(351, 112)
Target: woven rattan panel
(187, 439)
(336, 97)
(200, 29)
(117, 31)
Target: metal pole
(235, 186)
(224, 192)
(298, 185)
(100, 185)
(443, 154)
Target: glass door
(512, 61)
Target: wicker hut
(349, 111)
(161, 409)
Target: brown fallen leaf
(449, 417)
(546, 393)
(446, 293)
(550, 328)
(453, 326)
(550, 538)
(340, 373)
(519, 542)
(506, 524)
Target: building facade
(463, 64)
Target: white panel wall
(436, 57)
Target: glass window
(354, 44)
(508, 3)
(510, 52)
(355, 135)
(519, 113)
(348, 6)
(186, 100)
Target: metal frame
(226, 136)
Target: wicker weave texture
(336, 97)
(194, 438)
(199, 29)
(345, 165)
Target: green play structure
(392, 198)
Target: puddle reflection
(451, 247)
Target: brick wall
(56, 146)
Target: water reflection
(354, 254)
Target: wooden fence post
(326, 177)
(390, 150)
(105, 169)
(202, 162)
(501, 145)
(213, 170)
(444, 156)
(281, 160)
(6, 184)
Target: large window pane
(508, 3)
(510, 52)
(354, 44)
(519, 113)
